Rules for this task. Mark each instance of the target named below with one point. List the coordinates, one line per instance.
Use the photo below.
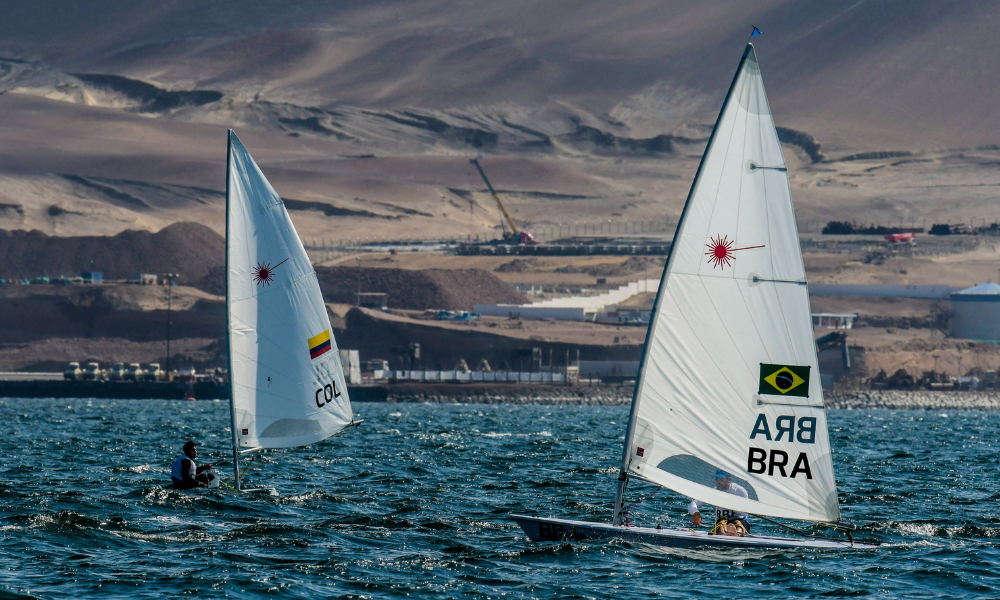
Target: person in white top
(727, 522)
(186, 474)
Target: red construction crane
(515, 235)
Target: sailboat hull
(560, 530)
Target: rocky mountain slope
(364, 115)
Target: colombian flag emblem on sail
(319, 344)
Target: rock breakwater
(913, 400)
(622, 395)
(511, 394)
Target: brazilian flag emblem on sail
(784, 380)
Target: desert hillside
(364, 115)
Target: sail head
(287, 381)
(729, 378)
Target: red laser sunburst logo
(720, 251)
(264, 272)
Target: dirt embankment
(197, 253)
(135, 313)
(189, 249)
(452, 289)
(442, 348)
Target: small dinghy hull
(560, 530)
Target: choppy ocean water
(414, 503)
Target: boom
(503, 210)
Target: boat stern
(540, 529)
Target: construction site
(437, 314)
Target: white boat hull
(549, 529)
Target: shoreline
(913, 400)
(492, 393)
(622, 396)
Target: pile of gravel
(451, 289)
(189, 249)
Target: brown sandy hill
(893, 72)
(367, 113)
(189, 249)
(452, 289)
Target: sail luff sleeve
(229, 322)
(637, 390)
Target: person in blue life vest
(727, 522)
(186, 474)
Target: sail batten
(285, 391)
(729, 377)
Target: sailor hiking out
(186, 474)
(727, 522)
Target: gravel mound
(451, 289)
(518, 265)
(190, 249)
(198, 254)
(652, 265)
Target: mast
(637, 391)
(229, 324)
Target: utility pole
(169, 277)
(358, 258)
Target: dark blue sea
(414, 503)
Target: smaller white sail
(730, 378)
(287, 381)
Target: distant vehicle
(133, 372)
(187, 374)
(72, 372)
(462, 315)
(115, 372)
(466, 316)
(92, 372)
(152, 372)
(375, 364)
(898, 238)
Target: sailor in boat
(727, 522)
(186, 474)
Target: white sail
(287, 382)
(733, 310)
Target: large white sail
(729, 378)
(287, 383)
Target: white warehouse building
(974, 313)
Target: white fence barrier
(487, 376)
